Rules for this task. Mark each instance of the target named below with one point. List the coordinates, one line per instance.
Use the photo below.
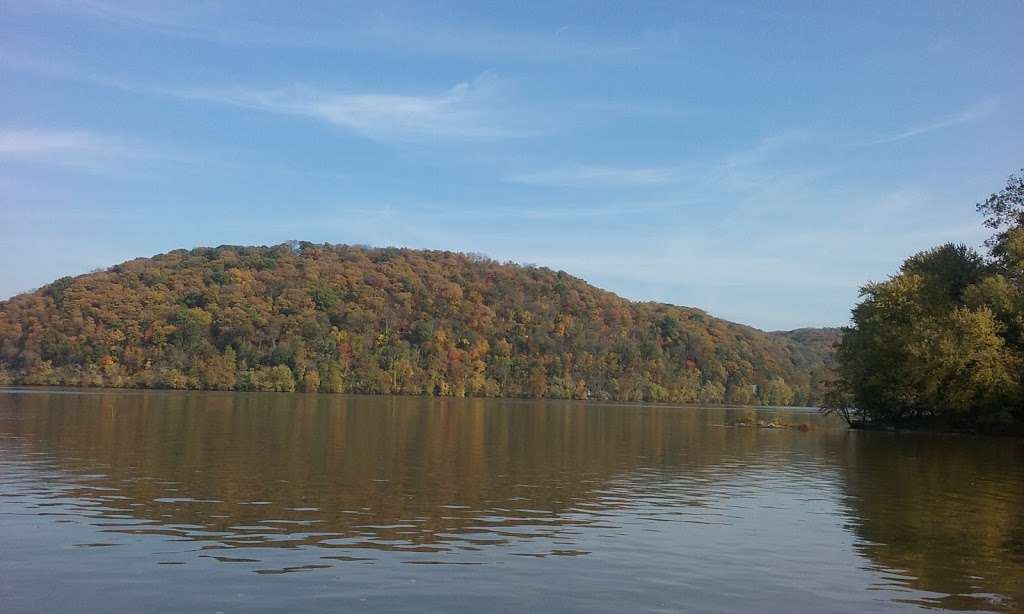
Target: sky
(759, 160)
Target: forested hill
(811, 346)
(329, 318)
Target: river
(128, 501)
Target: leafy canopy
(942, 342)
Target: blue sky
(758, 160)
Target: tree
(190, 326)
(311, 381)
(1004, 213)
(218, 372)
(5, 376)
(270, 379)
(334, 381)
(777, 393)
(945, 272)
(712, 392)
(740, 393)
(971, 374)
(940, 343)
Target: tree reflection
(945, 511)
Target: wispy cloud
(65, 147)
(481, 108)
(754, 169)
(29, 143)
(587, 176)
(385, 29)
(467, 110)
(19, 61)
(971, 114)
(209, 21)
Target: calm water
(154, 501)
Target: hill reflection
(387, 473)
(287, 483)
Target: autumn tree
(335, 318)
(940, 343)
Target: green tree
(777, 393)
(940, 343)
(190, 326)
(334, 380)
(273, 379)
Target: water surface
(234, 502)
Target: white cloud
(22, 143)
(91, 151)
(477, 109)
(468, 110)
(71, 147)
(486, 107)
(971, 114)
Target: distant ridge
(335, 318)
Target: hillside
(352, 319)
(810, 345)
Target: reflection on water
(245, 502)
(944, 512)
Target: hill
(812, 346)
(339, 318)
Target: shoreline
(937, 428)
(58, 388)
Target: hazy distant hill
(352, 319)
(812, 344)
